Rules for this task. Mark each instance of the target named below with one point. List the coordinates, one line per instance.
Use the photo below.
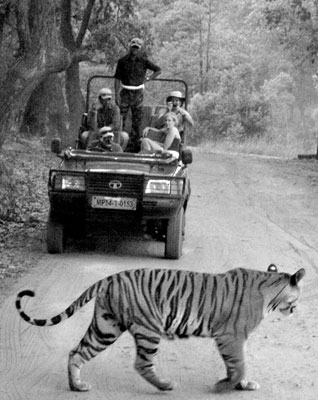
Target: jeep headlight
(69, 182)
(156, 186)
(177, 187)
(165, 187)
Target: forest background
(251, 67)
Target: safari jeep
(94, 191)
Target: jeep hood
(161, 164)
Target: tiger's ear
(297, 277)
(272, 268)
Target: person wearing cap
(175, 101)
(130, 77)
(107, 114)
(105, 141)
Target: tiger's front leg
(147, 344)
(232, 352)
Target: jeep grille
(99, 183)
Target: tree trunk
(208, 43)
(57, 113)
(4, 14)
(74, 99)
(201, 57)
(34, 117)
(40, 55)
(45, 113)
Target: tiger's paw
(223, 386)
(165, 385)
(244, 384)
(74, 380)
(247, 385)
(152, 378)
(80, 386)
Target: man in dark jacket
(131, 75)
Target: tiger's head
(285, 291)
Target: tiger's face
(288, 306)
(286, 298)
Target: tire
(54, 237)
(174, 236)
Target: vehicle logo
(115, 185)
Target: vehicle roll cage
(95, 77)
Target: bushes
(235, 110)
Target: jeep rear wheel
(55, 237)
(174, 236)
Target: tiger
(168, 303)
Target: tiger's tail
(84, 298)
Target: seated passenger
(175, 102)
(170, 142)
(106, 113)
(105, 141)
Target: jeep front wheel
(174, 237)
(54, 237)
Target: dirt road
(244, 212)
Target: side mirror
(56, 145)
(186, 156)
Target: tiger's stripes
(152, 304)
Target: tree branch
(21, 15)
(80, 56)
(66, 27)
(85, 22)
(4, 15)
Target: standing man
(131, 76)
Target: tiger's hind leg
(147, 344)
(103, 331)
(232, 352)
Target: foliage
(182, 39)
(264, 39)
(279, 92)
(112, 25)
(235, 110)
(248, 63)
(295, 21)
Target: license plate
(115, 203)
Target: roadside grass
(286, 146)
(23, 206)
